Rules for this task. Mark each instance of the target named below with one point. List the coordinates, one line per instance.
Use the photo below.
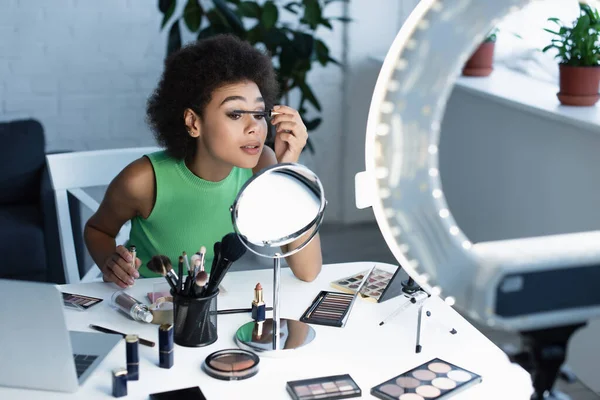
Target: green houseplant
(287, 29)
(578, 51)
(481, 61)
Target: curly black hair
(191, 75)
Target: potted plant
(578, 51)
(481, 61)
(287, 31)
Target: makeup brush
(186, 262)
(201, 279)
(157, 265)
(232, 249)
(202, 259)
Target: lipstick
(133, 357)
(165, 346)
(119, 381)
(258, 305)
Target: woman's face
(230, 137)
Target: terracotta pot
(579, 85)
(480, 63)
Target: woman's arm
(131, 193)
(306, 264)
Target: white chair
(71, 173)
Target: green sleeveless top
(188, 213)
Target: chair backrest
(70, 173)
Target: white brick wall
(82, 68)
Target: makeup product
(328, 387)
(119, 382)
(145, 342)
(362, 284)
(231, 364)
(133, 357)
(382, 285)
(130, 306)
(240, 310)
(434, 380)
(267, 113)
(191, 393)
(79, 302)
(231, 250)
(133, 251)
(165, 346)
(162, 265)
(180, 284)
(258, 305)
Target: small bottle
(258, 305)
(119, 381)
(133, 357)
(132, 307)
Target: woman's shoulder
(136, 180)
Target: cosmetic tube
(133, 357)
(130, 306)
(258, 305)
(119, 382)
(165, 346)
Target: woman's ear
(192, 122)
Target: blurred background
(514, 162)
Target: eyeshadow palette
(382, 285)
(328, 387)
(436, 380)
(328, 308)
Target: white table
(368, 352)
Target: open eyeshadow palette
(328, 308)
(382, 285)
(436, 380)
(328, 387)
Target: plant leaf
(167, 7)
(310, 96)
(325, 22)
(269, 15)
(303, 44)
(322, 52)
(232, 19)
(313, 124)
(290, 7)
(312, 13)
(250, 9)
(192, 15)
(174, 41)
(342, 19)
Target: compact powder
(443, 383)
(428, 391)
(407, 382)
(459, 376)
(231, 364)
(411, 396)
(392, 390)
(424, 375)
(440, 368)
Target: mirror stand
(298, 334)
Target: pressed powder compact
(231, 364)
(436, 380)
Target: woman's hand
(118, 269)
(291, 134)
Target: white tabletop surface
(370, 353)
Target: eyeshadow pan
(328, 308)
(407, 382)
(459, 376)
(392, 390)
(411, 396)
(443, 383)
(428, 391)
(302, 390)
(424, 375)
(440, 368)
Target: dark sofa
(29, 241)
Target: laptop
(37, 350)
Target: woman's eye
(259, 116)
(234, 116)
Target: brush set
(195, 293)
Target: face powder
(231, 364)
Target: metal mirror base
(258, 336)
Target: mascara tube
(165, 346)
(119, 382)
(133, 357)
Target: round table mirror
(276, 214)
